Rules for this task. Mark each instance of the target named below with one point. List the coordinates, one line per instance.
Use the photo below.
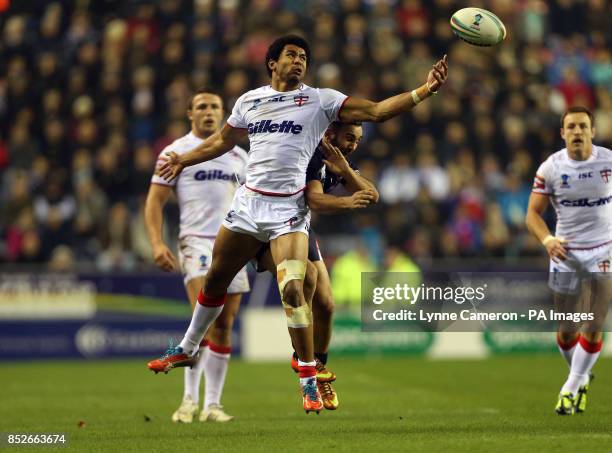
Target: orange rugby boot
(328, 395)
(174, 357)
(323, 374)
(311, 396)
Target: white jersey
(581, 193)
(284, 130)
(204, 191)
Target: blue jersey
(332, 183)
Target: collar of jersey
(192, 136)
(302, 87)
(591, 158)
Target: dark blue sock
(322, 356)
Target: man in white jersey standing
(284, 122)
(578, 182)
(204, 193)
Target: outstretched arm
(214, 146)
(359, 110)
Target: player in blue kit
(333, 184)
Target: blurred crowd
(91, 91)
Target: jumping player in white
(284, 122)
(204, 193)
(578, 182)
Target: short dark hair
(279, 44)
(578, 109)
(203, 90)
(338, 124)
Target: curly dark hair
(279, 44)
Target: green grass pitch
(386, 404)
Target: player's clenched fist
(361, 199)
(170, 166)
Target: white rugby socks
(206, 311)
(215, 370)
(567, 349)
(585, 356)
(193, 375)
(308, 371)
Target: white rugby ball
(478, 27)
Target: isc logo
(267, 126)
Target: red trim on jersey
(234, 127)
(208, 301)
(307, 371)
(588, 248)
(275, 194)
(567, 346)
(205, 236)
(539, 177)
(219, 349)
(589, 347)
(342, 105)
(203, 343)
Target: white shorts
(195, 256)
(565, 276)
(267, 217)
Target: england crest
(300, 99)
(606, 174)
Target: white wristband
(415, 97)
(547, 239)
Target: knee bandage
(298, 317)
(289, 270)
(285, 272)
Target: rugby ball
(478, 27)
